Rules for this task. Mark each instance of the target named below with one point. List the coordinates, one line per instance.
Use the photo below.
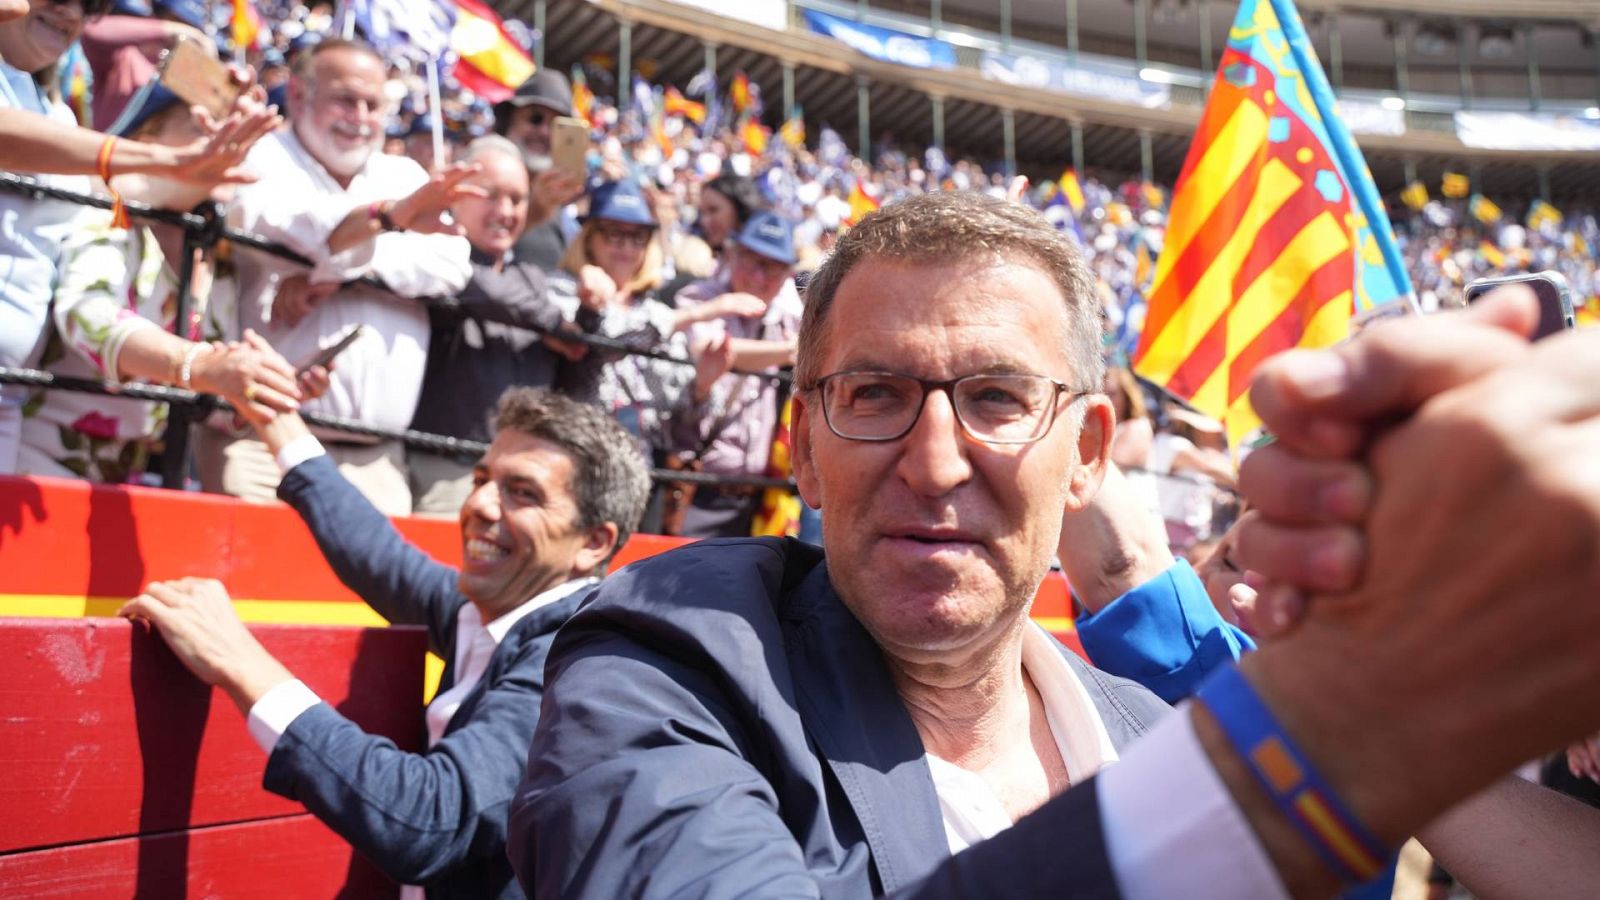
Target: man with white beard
(326, 192)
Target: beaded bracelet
(1294, 785)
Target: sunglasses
(90, 8)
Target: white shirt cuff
(1171, 827)
(303, 448)
(277, 709)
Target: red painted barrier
(109, 739)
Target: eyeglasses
(630, 237)
(537, 117)
(995, 409)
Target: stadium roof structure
(826, 78)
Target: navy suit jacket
(436, 818)
(717, 723)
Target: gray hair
(943, 227)
(492, 143)
(610, 482)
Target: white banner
(1121, 84)
(1527, 131)
(773, 14)
(1364, 117)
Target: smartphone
(327, 354)
(198, 79)
(569, 147)
(1555, 299)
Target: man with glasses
(326, 192)
(728, 428)
(743, 717)
(746, 718)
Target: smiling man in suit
(555, 496)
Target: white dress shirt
(379, 377)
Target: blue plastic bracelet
(1289, 778)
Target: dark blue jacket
(436, 818)
(718, 724)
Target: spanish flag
(678, 105)
(246, 24)
(582, 97)
(1072, 191)
(861, 204)
(1276, 235)
(740, 93)
(489, 62)
(754, 135)
(779, 515)
(793, 130)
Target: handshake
(1435, 488)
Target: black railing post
(175, 442)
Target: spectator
(94, 333)
(1130, 446)
(728, 427)
(481, 342)
(124, 47)
(526, 120)
(31, 231)
(613, 269)
(326, 193)
(553, 499)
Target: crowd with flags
(1273, 235)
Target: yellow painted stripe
(1268, 296)
(1209, 181)
(1213, 293)
(1056, 624)
(1335, 835)
(278, 612)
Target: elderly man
(555, 496)
(327, 193)
(728, 427)
(482, 342)
(526, 119)
(743, 717)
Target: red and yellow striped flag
(861, 204)
(779, 514)
(678, 105)
(739, 93)
(1072, 191)
(489, 61)
(246, 24)
(1275, 236)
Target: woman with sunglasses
(607, 283)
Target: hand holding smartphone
(327, 354)
(1555, 299)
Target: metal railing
(203, 229)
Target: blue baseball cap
(131, 8)
(621, 201)
(144, 104)
(770, 235)
(189, 12)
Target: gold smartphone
(569, 147)
(199, 80)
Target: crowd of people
(743, 717)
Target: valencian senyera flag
(1276, 235)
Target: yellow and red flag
(1415, 195)
(793, 130)
(678, 105)
(246, 24)
(1276, 235)
(739, 93)
(582, 97)
(754, 135)
(490, 63)
(1455, 185)
(1072, 191)
(861, 203)
(779, 515)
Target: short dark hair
(610, 482)
(741, 192)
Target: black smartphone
(327, 354)
(1555, 299)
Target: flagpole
(1344, 146)
(438, 114)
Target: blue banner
(884, 43)
(1120, 84)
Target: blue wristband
(1297, 789)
